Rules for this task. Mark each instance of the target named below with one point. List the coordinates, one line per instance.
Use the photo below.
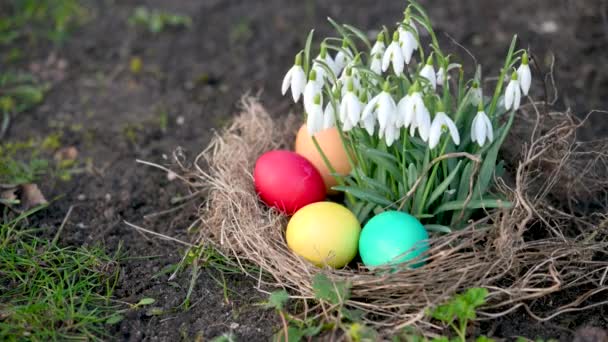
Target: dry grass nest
(554, 238)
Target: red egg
(287, 181)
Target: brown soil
(198, 75)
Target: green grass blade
(441, 188)
(474, 204)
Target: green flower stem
(501, 79)
(431, 180)
(349, 197)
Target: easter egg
(388, 236)
(324, 233)
(331, 145)
(287, 181)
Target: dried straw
(548, 242)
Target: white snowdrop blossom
(513, 93)
(441, 123)
(481, 129)
(376, 54)
(314, 121)
(442, 73)
(391, 134)
(383, 107)
(476, 95)
(350, 109)
(312, 89)
(413, 113)
(294, 79)
(342, 58)
(524, 75)
(428, 72)
(322, 75)
(394, 56)
(329, 116)
(407, 40)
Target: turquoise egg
(387, 236)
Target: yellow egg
(331, 145)
(324, 233)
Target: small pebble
(180, 120)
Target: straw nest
(553, 239)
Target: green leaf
(277, 299)
(114, 319)
(329, 291)
(381, 159)
(294, 334)
(344, 34)
(359, 35)
(489, 163)
(476, 296)
(484, 339)
(412, 175)
(146, 301)
(364, 194)
(352, 315)
(438, 228)
(441, 188)
(465, 180)
(306, 61)
(473, 204)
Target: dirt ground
(196, 77)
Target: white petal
(440, 76)
(389, 135)
(488, 126)
(287, 81)
(378, 48)
(328, 116)
(386, 59)
(435, 132)
(474, 129)
(397, 59)
(314, 121)
(410, 115)
(343, 110)
(509, 95)
(401, 111)
(428, 72)
(369, 124)
(370, 108)
(423, 119)
(481, 128)
(525, 78)
(517, 93)
(298, 82)
(353, 107)
(376, 65)
(310, 90)
(385, 111)
(453, 130)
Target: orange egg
(331, 145)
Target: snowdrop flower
(407, 40)
(314, 121)
(322, 72)
(295, 79)
(311, 90)
(376, 54)
(428, 72)
(524, 74)
(476, 96)
(442, 73)
(342, 58)
(513, 93)
(413, 113)
(384, 108)
(329, 116)
(350, 108)
(393, 55)
(441, 122)
(481, 128)
(351, 74)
